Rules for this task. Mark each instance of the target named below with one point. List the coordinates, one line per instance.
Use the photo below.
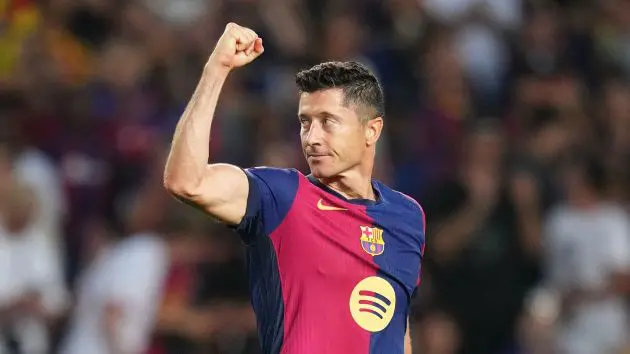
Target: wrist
(214, 69)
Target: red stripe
(372, 312)
(307, 245)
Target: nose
(314, 135)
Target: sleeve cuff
(253, 204)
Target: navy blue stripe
(376, 295)
(357, 201)
(402, 224)
(271, 194)
(266, 295)
(373, 303)
(372, 312)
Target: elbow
(171, 187)
(178, 188)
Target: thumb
(255, 50)
(258, 47)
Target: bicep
(252, 201)
(222, 193)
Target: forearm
(189, 153)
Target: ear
(373, 129)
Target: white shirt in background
(586, 247)
(39, 173)
(30, 262)
(129, 274)
(481, 45)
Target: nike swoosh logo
(322, 206)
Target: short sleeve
(417, 218)
(271, 194)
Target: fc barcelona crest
(372, 240)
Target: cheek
(302, 141)
(350, 146)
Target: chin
(325, 171)
(319, 171)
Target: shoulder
(266, 172)
(273, 184)
(272, 192)
(401, 200)
(403, 204)
(274, 179)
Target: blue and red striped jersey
(329, 274)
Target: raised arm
(220, 190)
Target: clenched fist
(237, 46)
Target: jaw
(319, 170)
(322, 167)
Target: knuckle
(232, 28)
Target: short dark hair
(360, 86)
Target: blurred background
(508, 120)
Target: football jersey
(329, 274)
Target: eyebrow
(324, 114)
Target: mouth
(316, 156)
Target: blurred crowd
(508, 120)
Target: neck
(352, 185)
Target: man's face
(334, 139)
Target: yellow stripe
(378, 235)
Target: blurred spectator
(31, 166)
(613, 45)
(480, 41)
(119, 294)
(437, 334)
(32, 291)
(204, 305)
(91, 90)
(588, 261)
(19, 20)
(480, 270)
(532, 174)
(431, 140)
